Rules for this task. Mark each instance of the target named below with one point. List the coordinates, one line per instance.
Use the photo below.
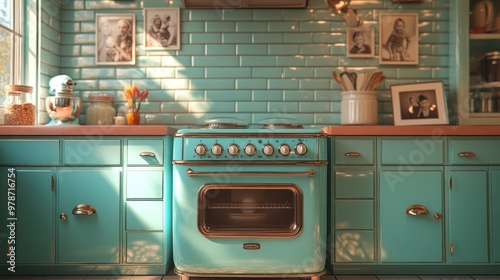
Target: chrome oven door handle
(190, 172)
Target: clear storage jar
(101, 111)
(19, 108)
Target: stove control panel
(213, 148)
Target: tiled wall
(248, 63)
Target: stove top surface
(235, 123)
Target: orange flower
(134, 97)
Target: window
(10, 43)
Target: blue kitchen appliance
(249, 201)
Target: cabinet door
(467, 214)
(495, 212)
(405, 237)
(88, 236)
(33, 205)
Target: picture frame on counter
(115, 39)
(162, 28)
(398, 38)
(419, 104)
(360, 42)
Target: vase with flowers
(134, 97)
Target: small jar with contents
(101, 111)
(19, 108)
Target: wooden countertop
(354, 130)
(57, 130)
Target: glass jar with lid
(101, 111)
(19, 108)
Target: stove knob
(268, 149)
(233, 149)
(200, 149)
(284, 150)
(301, 149)
(250, 149)
(217, 150)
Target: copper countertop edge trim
(79, 130)
(332, 130)
(389, 130)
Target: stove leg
(185, 277)
(314, 277)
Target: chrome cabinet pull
(451, 248)
(466, 154)
(190, 172)
(63, 216)
(147, 154)
(353, 154)
(416, 210)
(84, 209)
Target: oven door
(250, 210)
(249, 218)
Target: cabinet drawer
(145, 247)
(425, 151)
(145, 152)
(144, 184)
(29, 152)
(354, 182)
(145, 215)
(354, 246)
(354, 151)
(480, 151)
(92, 152)
(354, 214)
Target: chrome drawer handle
(352, 154)
(84, 209)
(466, 154)
(147, 154)
(417, 209)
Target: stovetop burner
(235, 123)
(281, 126)
(281, 123)
(225, 123)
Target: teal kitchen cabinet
(352, 212)
(495, 212)
(469, 183)
(147, 207)
(411, 228)
(467, 214)
(411, 199)
(32, 202)
(88, 202)
(89, 205)
(29, 163)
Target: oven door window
(235, 211)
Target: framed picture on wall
(360, 42)
(398, 39)
(115, 39)
(162, 28)
(419, 104)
